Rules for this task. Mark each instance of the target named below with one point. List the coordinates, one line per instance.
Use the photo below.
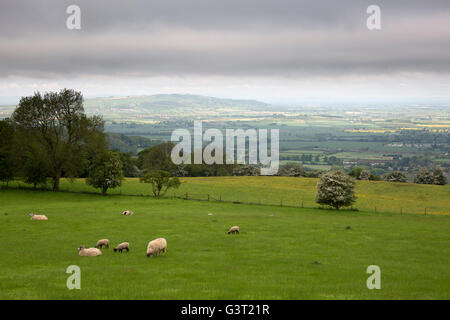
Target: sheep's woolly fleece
(90, 252)
(122, 246)
(233, 229)
(37, 217)
(155, 247)
(102, 242)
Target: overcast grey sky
(277, 51)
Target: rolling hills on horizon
(163, 106)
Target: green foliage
(130, 168)
(35, 171)
(63, 134)
(365, 175)
(430, 177)
(161, 181)
(356, 172)
(157, 158)
(292, 169)
(335, 189)
(246, 170)
(395, 176)
(7, 163)
(439, 177)
(106, 171)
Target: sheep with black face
(233, 230)
(122, 246)
(102, 243)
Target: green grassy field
(281, 253)
(379, 195)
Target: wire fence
(301, 203)
(289, 204)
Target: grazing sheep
(155, 247)
(102, 243)
(122, 246)
(37, 217)
(127, 213)
(234, 229)
(91, 252)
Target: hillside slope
(280, 253)
(287, 191)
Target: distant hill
(163, 106)
(154, 108)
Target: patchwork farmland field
(281, 253)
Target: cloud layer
(209, 38)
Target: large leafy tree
(336, 189)
(55, 126)
(106, 171)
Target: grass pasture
(281, 253)
(382, 196)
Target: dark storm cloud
(209, 37)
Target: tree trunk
(104, 191)
(56, 183)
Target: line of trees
(426, 176)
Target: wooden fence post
(208, 197)
(186, 196)
(281, 203)
(302, 203)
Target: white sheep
(122, 246)
(102, 243)
(90, 252)
(155, 247)
(127, 213)
(234, 229)
(37, 217)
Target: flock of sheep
(154, 247)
